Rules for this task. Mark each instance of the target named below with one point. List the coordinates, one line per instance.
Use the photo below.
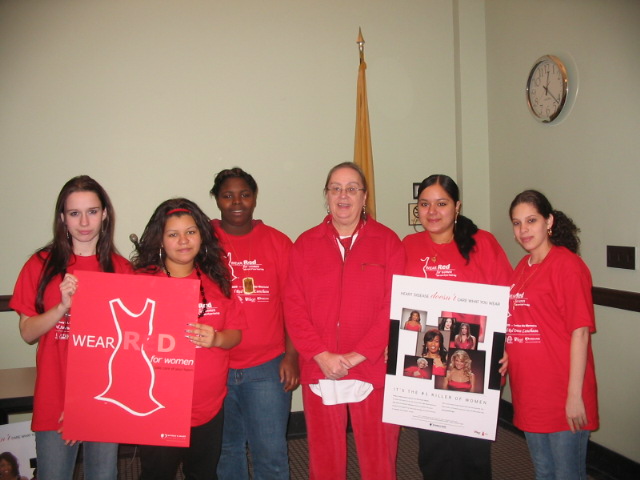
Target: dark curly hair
(11, 459)
(60, 248)
(428, 337)
(564, 233)
(147, 256)
(464, 229)
(235, 172)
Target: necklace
(532, 270)
(438, 248)
(204, 298)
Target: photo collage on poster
(446, 340)
(447, 349)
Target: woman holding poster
(337, 314)
(178, 242)
(452, 248)
(551, 365)
(83, 227)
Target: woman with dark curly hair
(551, 367)
(413, 323)
(452, 248)
(9, 469)
(178, 243)
(434, 348)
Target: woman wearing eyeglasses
(337, 314)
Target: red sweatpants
(376, 442)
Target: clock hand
(547, 87)
(549, 94)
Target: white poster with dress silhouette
(129, 366)
(446, 339)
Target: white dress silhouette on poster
(131, 374)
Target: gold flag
(363, 155)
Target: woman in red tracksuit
(337, 314)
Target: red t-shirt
(51, 356)
(258, 263)
(548, 302)
(425, 258)
(212, 364)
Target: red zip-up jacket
(341, 307)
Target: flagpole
(363, 155)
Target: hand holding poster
(446, 341)
(130, 367)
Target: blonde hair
(465, 358)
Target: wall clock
(547, 88)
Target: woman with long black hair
(451, 247)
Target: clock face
(547, 88)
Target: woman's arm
(472, 380)
(203, 335)
(575, 410)
(32, 328)
(289, 369)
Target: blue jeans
(58, 461)
(256, 412)
(559, 455)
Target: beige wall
(153, 97)
(587, 164)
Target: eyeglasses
(337, 191)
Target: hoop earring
(160, 254)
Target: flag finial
(360, 43)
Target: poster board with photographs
(446, 340)
(18, 446)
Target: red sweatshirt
(342, 306)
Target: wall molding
(605, 297)
(4, 303)
(608, 297)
